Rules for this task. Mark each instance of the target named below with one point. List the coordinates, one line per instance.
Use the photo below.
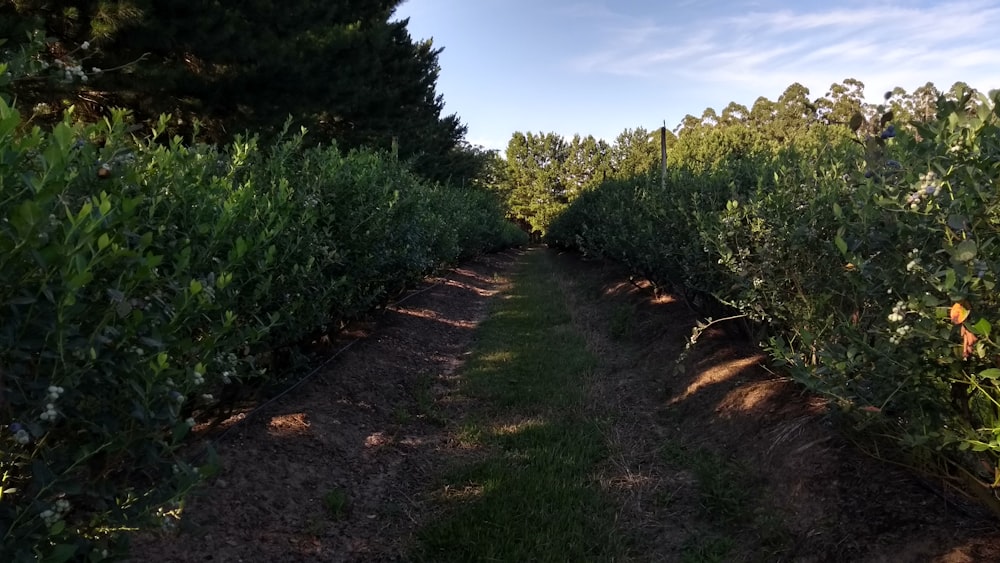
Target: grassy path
(531, 494)
(557, 429)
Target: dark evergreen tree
(342, 68)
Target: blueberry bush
(865, 257)
(140, 276)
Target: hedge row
(871, 267)
(138, 278)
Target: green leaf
(195, 287)
(103, 241)
(181, 429)
(957, 222)
(105, 205)
(837, 211)
(42, 473)
(28, 215)
(992, 373)
(63, 135)
(931, 301)
(123, 308)
(57, 528)
(949, 279)
(982, 328)
(79, 280)
(964, 251)
(841, 245)
(61, 553)
(856, 121)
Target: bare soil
(346, 466)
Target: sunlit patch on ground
(377, 439)
(511, 428)
(716, 374)
(288, 424)
(463, 493)
(431, 315)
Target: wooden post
(663, 156)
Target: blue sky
(597, 67)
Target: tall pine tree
(343, 68)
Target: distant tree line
(542, 173)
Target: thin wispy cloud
(761, 48)
(643, 60)
(600, 66)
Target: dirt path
(728, 462)
(724, 462)
(338, 469)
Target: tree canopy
(343, 68)
(543, 173)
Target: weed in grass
(423, 394)
(773, 536)
(723, 490)
(622, 322)
(470, 435)
(674, 453)
(314, 526)
(725, 496)
(401, 415)
(706, 549)
(336, 503)
(665, 498)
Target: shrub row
(872, 267)
(140, 277)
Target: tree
(924, 102)
(588, 164)
(734, 113)
(535, 183)
(793, 113)
(339, 67)
(635, 152)
(842, 101)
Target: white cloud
(952, 40)
(645, 60)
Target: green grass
(424, 406)
(336, 503)
(730, 504)
(622, 322)
(723, 488)
(532, 496)
(706, 549)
